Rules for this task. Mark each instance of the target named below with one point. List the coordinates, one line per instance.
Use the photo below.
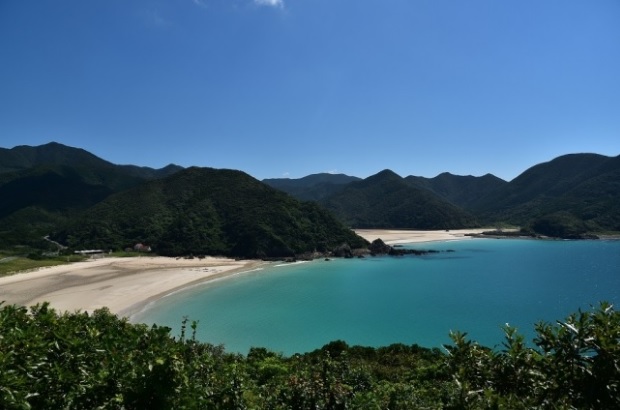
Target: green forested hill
(209, 211)
(53, 189)
(42, 187)
(548, 179)
(567, 197)
(34, 201)
(578, 190)
(386, 200)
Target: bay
(474, 286)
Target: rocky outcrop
(378, 247)
(343, 251)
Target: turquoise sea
(479, 287)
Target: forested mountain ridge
(566, 197)
(457, 189)
(313, 187)
(448, 194)
(548, 179)
(581, 190)
(386, 200)
(461, 190)
(26, 157)
(209, 211)
(57, 177)
(43, 187)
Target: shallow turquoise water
(477, 288)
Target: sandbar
(398, 236)
(123, 285)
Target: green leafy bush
(98, 361)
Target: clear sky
(294, 87)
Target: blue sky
(294, 87)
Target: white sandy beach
(394, 237)
(125, 285)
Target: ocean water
(477, 288)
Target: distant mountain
(209, 211)
(51, 186)
(386, 200)
(312, 187)
(26, 157)
(579, 189)
(43, 186)
(150, 173)
(548, 179)
(463, 191)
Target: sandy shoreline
(126, 285)
(123, 285)
(395, 236)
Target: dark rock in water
(416, 252)
(343, 251)
(378, 247)
(580, 236)
(400, 252)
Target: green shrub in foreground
(88, 361)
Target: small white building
(93, 253)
